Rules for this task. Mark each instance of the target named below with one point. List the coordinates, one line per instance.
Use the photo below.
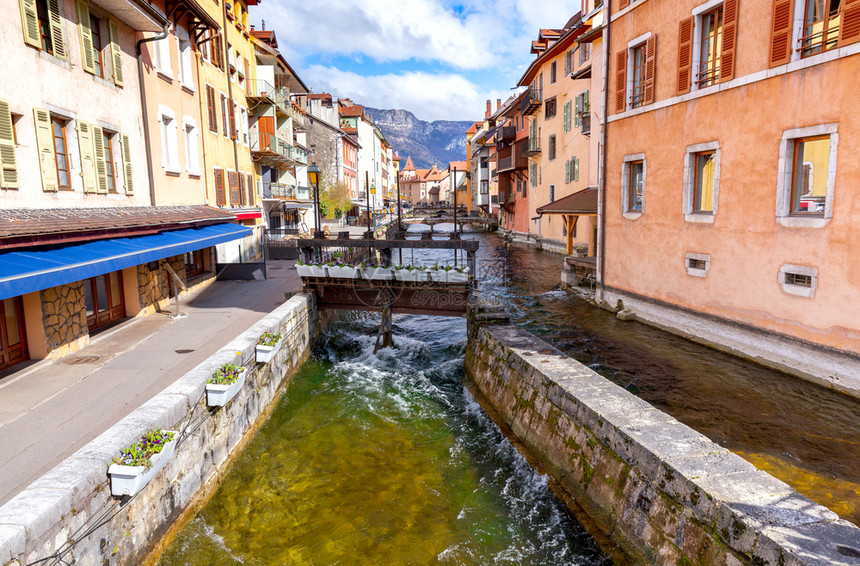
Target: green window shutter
(101, 166)
(87, 151)
(585, 106)
(45, 145)
(126, 164)
(576, 169)
(58, 33)
(567, 171)
(578, 110)
(116, 52)
(8, 165)
(30, 19)
(86, 33)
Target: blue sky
(440, 59)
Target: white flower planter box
(220, 395)
(455, 276)
(344, 272)
(129, 480)
(438, 275)
(311, 271)
(379, 273)
(266, 353)
(416, 275)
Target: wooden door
(104, 300)
(13, 334)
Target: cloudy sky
(441, 59)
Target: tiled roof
(352, 111)
(409, 165)
(20, 226)
(460, 165)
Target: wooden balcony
(531, 101)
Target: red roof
(409, 166)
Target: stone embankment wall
(69, 512)
(664, 492)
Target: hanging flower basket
(267, 345)
(224, 384)
(132, 470)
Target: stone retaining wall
(54, 513)
(661, 490)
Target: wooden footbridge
(389, 296)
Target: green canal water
(387, 459)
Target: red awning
(249, 215)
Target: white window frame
(625, 185)
(169, 144)
(690, 179)
(163, 65)
(245, 127)
(697, 13)
(694, 271)
(785, 171)
(192, 154)
(798, 290)
(185, 66)
(631, 45)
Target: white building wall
(37, 79)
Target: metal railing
(282, 191)
(259, 88)
(531, 101)
(271, 143)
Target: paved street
(51, 409)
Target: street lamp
(314, 179)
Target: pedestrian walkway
(53, 408)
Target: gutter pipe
(157, 37)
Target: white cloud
(443, 96)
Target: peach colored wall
(746, 243)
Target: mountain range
(428, 143)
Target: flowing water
(387, 459)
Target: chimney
(252, 27)
(263, 27)
(489, 109)
(498, 104)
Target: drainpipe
(147, 143)
(604, 135)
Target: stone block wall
(54, 514)
(64, 316)
(664, 492)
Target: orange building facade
(731, 208)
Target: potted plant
(410, 273)
(458, 274)
(224, 384)
(137, 464)
(267, 344)
(305, 268)
(345, 270)
(438, 274)
(378, 272)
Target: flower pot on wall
(266, 353)
(218, 395)
(379, 273)
(344, 271)
(129, 480)
(455, 276)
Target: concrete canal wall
(56, 513)
(664, 492)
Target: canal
(387, 458)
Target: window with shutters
(97, 46)
(584, 53)
(635, 73)
(637, 70)
(169, 144)
(43, 26)
(241, 189)
(550, 107)
(192, 153)
(233, 179)
(567, 114)
(633, 185)
(224, 121)
(551, 148)
(61, 153)
(213, 110)
(807, 173)
(110, 167)
(234, 116)
(8, 143)
(220, 193)
(710, 47)
(244, 124)
(533, 175)
(217, 52)
(701, 182)
(252, 200)
(162, 58)
(820, 26)
(184, 47)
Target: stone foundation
(664, 492)
(64, 319)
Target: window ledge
(188, 88)
(697, 272)
(44, 55)
(172, 170)
(699, 218)
(798, 290)
(631, 215)
(803, 222)
(164, 75)
(195, 174)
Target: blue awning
(23, 272)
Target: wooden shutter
(86, 34)
(780, 33)
(231, 110)
(213, 112)
(30, 21)
(226, 123)
(101, 165)
(576, 169)
(45, 144)
(650, 69)
(623, 4)
(116, 52)
(849, 31)
(567, 171)
(88, 160)
(220, 197)
(578, 120)
(8, 164)
(233, 179)
(58, 33)
(621, 81)
(241, 189)
(126, 164)
(252, 194)
(685, 54)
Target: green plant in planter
(226, 374)
(141, 452)
(269, 338)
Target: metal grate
(697, 264)
(798, 279)
(77, 360)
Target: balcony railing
(531, 101)
(271, 145)
(533, 147)
(507, 134)
(283, 192)
(585, 122)
(258, 88)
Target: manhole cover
(183, 351)
(77, 360)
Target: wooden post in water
(386, 332)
